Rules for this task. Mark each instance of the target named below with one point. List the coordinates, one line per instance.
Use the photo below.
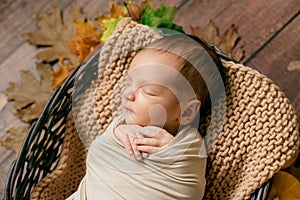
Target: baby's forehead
(154, 72)
(147, 56)
(162, 75)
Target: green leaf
(161, 17)
(111, 25)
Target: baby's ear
(190, 110)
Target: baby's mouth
(126, 108)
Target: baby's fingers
(147, 145)
(148, 149)
(127, 145)
(140, 136)
(137, 153)
(147, 142)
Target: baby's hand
(126, 134)
(153, 139)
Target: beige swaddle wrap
(175, 172)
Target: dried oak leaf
(54, 33)
(30, 95)
(227, 43)
(15, 138)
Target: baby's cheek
(158, 115)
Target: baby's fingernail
(138, 157)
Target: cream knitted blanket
(175, 172)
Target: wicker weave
(70, 170)
(259, 136)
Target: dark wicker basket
(41, 149)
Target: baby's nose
(128, 94)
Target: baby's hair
(200, 66)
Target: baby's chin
(130, 121)
(142, 124)
(133, 122)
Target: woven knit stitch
(259, 136)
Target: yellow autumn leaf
(108, 24)
(285, 187)
(87, 37)
(116, 11)
(100, 23)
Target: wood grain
(256, 20)
(274, 59)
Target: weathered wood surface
(256, 21)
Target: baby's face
(150, 98)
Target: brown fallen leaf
(227, 42)
(294, 65)
(30, 95)
(14, 138)
(54, 33)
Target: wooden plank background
(257, 21)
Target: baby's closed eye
(149, 91)
(153, 89)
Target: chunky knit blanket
(259, 136)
